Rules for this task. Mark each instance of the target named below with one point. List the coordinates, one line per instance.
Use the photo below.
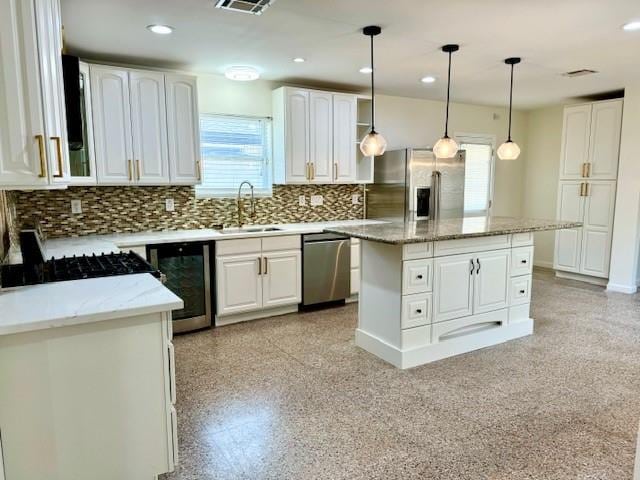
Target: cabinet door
(23, 160)
(282, 280)
(321, 137)
(597, 228)
(576, 131)
(184, 129)
(569, 242)
(491, 282)
(344, 138)
(296, 135)
(238, 283)
(149, 128)
(111, 125)
(604, 146)
(453, 287)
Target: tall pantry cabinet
(587, 189)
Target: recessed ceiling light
(366, 70)
(299, 60)
(160, 29)
(242, 73)
(428, 79)
(635, 25)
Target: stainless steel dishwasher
(326, 268)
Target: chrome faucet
(240, 207)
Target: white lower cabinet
(254, 275)
(453, 287)
(491, 281)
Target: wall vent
(579, 73)
(254, 7)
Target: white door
(149, 128)
(49, 30)
(344, 138)
(453, 287)
(574, 150)
(112, 125)
(282, 278)
(597, 228)
(604, 150)
(238, 283)
(23, 158)
(569, 242)
(491, 288)
(321, 137)
(183, 129)
(296, 124)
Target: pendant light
(510, 150)
(373, 144)
(447, 147)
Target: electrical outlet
(169, 204)
(76, 206)
(302, 200)
(355, 199)
(317, 200)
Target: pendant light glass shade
(510, 150)
(447, 147)
(373, 144)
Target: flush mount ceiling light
(510, 150)
(373, 144)
(299, 60)
(631, 26)
(366, 70)
(160, 29)
(428, 79)
(241, 73)
(447, 147)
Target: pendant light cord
(373, 92)
(446, 121)
(510, 103)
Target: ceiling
(552, 36)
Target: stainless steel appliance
(411, 184)
(326, 268)
(188, 274)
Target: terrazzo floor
(293, 398)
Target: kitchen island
(436, 288)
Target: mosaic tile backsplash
(137, 209)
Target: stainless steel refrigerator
(411, 184)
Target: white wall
(544, 136)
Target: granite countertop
(448, 229)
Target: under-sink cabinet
(257, 277)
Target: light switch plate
(302, 200)
(76, 206)
(169, 204)
(355, 199)
(316, 200)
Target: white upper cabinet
(33, 140)
(344, 138)
(575, 141)
(149, 127)
(321, 137)
(183, 126)
(291, 150)
(112, 125)
(604, 148)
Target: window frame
(208, 192)
(483, 139)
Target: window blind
(234, 149)
(477, 180)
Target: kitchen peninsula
(436, 288)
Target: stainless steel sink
(229, 231)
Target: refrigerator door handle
(435, 194)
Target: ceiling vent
(579, 73)
(254, 7)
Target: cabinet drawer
(417, 276)
(284, 242)
(520, 290)
(468, 245)
(415, 337)
(521, 261)
(412, 251)
(355, 255)
(459, 327)
(416, 310)
(241, 245)
(522, 239)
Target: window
(234, 149)
(478, 181)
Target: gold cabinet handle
(43, 163)
(584, 170)
(335, 171)
(130, 169)
(259, 266)
(138, 169)
(313, 170)
(58, 141)
(588, 169)
(266, 265)
(199, 170)
(582, 189)
(587, 190)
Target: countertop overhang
(398, 233)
